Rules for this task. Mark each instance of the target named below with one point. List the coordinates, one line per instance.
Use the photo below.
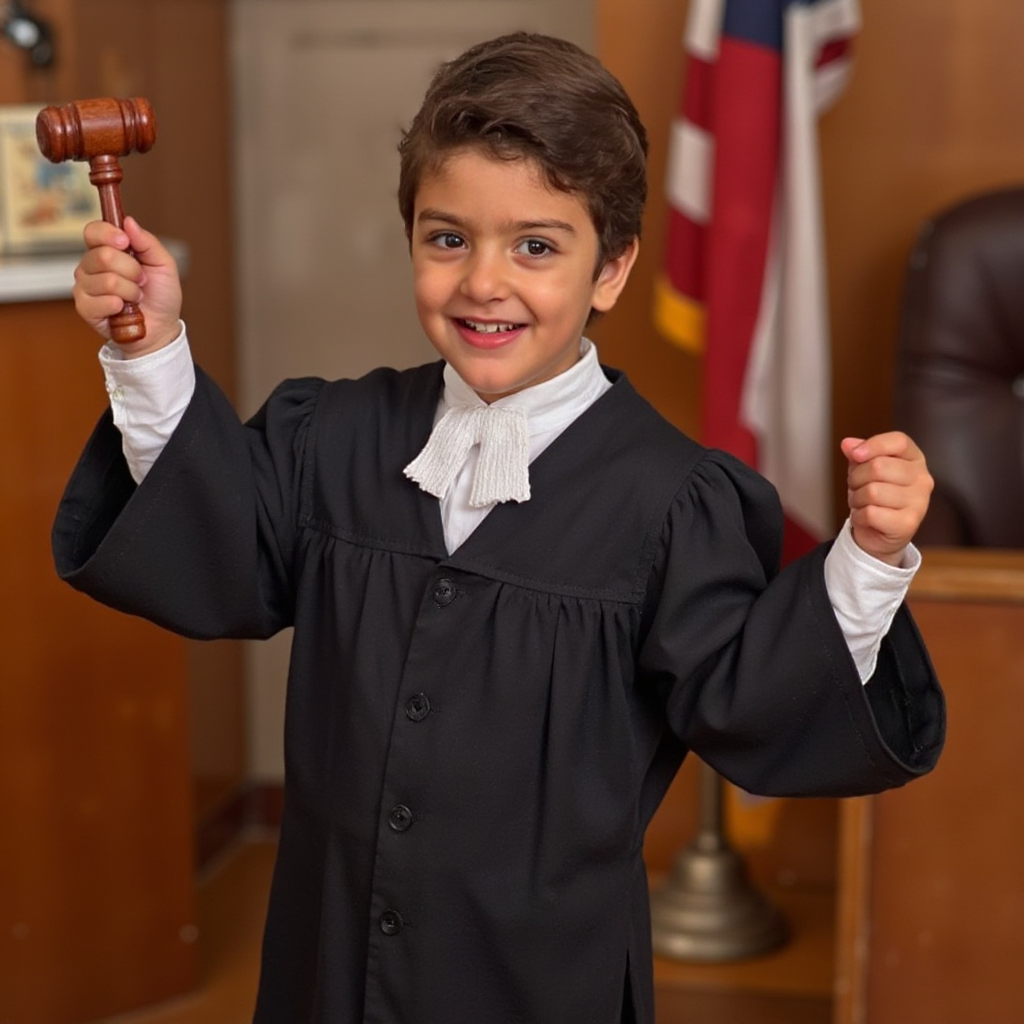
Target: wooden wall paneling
(933, 112)
(12, 85)
(642, 45)
(22, 83)
(97, 910)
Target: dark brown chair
(960, 369)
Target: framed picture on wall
(43, 206)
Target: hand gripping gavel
(100, 131)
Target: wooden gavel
(100, 131)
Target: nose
(485, 277)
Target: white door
(323, 89)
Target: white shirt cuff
(865, 594)
(148, 396)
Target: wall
(934, 111)
(641, 44)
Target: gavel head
(90, 128)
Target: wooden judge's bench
(933, 922)
(923, 919)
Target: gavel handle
(105, 173)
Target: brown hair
(544, 99)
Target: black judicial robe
(476, 742)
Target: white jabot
(471, 481)
(502, 469)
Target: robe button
(444, 593)
(400, 818)
(391, 922)
(417, 707)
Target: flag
(744, 281)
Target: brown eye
(534, 247)
(447, 240)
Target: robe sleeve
(204, 545)
(751, 663)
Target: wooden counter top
(970, 574)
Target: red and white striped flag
(744, 279)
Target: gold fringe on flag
(680, 319)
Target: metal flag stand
(707, 909)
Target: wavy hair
(530, 96)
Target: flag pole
(707, 910)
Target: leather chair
(960, 369)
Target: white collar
(549, 405)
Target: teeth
(490, 328)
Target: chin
(490, 390)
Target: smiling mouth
(492, 328)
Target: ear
(612, 278)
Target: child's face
(504, 271)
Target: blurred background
(131, 762)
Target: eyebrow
(518, 226)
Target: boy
(519, 595)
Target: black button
(417, 707)
(444, 593)
(391, 922)
(400, 818)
